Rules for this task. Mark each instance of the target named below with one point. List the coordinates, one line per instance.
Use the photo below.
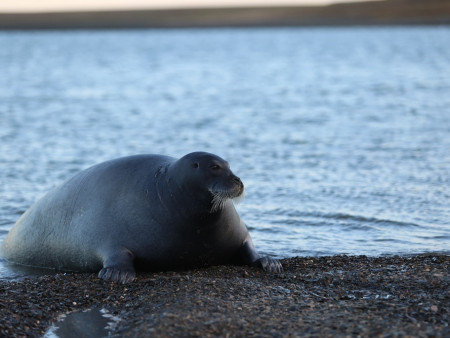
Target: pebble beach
(321, 296)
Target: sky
(68, 5)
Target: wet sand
(326, 296)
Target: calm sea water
(341, 135)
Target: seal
(142, 212)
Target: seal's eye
(195, 165)
(215, 167)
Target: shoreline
(386, 12)
(315, 296)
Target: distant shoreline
(388, 12)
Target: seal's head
(209, 178)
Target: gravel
(320, 296)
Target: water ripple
(324, 218)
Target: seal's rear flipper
(250, 257)
(118, 266)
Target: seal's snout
(238, 181)
(238, 186)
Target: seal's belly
(188, 253)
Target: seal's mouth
(219, 198)
(238, 199)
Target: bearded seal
(142, 212)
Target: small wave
(434, 237)
(5, 226)
(391, 240)
(296, 215)
(268, 229)
(6, 222)
(371, 220)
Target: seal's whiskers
(240, 198)
(219, 199)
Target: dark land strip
(387, 12)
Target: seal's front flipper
(250, 257)
(268, 264)
(117, 274)
(118, 266)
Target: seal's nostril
(238, 180)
